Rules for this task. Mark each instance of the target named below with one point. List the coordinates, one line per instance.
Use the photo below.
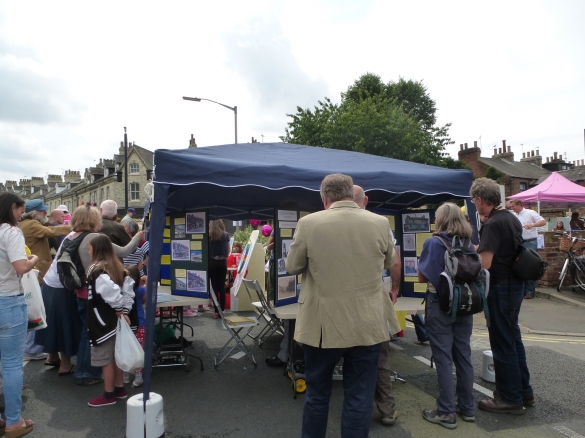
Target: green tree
(395, 120)
(493, 173)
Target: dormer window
(134, 168)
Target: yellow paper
(303, 213)
(432, 227)
(168, 221)
(167, 232)
(420, 287)
(180, 221)
(299, 278)
(181, 273)
(420, 240)
(165, 260)
(401, 316)
(165, 282)
(166, 240)
(196, 236)
(285, 232)
(392, 223)
(411, 279)
(196, 245)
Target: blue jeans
(512, 375)
(419, 327)
(359, 384)
(13, 326)
(530, 285)
(83, 367)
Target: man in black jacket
(115, 231)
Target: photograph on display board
(180, 231)
(195, 223)
(181, 283)
(287, 287)
(286, 248)
(196, 256)
(197, 281)
(416, 223)
(281, 266)
(410, 266)
(180, 250)
(409, 241)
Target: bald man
(384, 398)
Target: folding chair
(273, 324)
(258, 308)
(234, 331)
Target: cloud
(29, 95)
(261, 55)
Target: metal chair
(259, 309)
(273, 324)
(234, 331)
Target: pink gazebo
(554, 192)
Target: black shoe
(274, 362)
(423, 340)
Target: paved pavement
(241, 400)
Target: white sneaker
(126, 377)
(137, 381)
(38, 356)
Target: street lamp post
(125, 170)
(234, 109)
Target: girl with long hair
(111, 296)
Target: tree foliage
(395, 120)
(493, 173)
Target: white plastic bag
(37, 318)
(129, 354)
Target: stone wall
(555, 259)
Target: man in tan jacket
(343, 307)
(37, 234)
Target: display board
(244, 260)
(188, 259)
(288, 286)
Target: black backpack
(528, 264)
(463, 284)
(69, 267)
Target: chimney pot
(547, 159)
(495, 151)
(537, 152)
(465, 145)
(509, 148)
(475, 144)
(500, 150)
(460, 147)
(504, 144)
(532, 153)
(523, 154)
(555, 155)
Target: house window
(134, 168)
(523, 186)
(101, 196)
(108, 192)
(134, 191)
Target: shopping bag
(37, 318)
(128, 352)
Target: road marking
(477, 387)
(564, 340)
(568, 432)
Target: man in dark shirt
(115, 231)
(498, 249)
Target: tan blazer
(341, 253)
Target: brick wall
(471, 158)
(555, 259)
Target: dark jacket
(115, 231)
(101, 316)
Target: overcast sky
(73, 74)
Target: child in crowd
(110, 296)
(139, 300)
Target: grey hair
(33, 215)
(450, 219)
(336, 187)
(132, 226)
(486, 189)
(109, 208)
(359, 196)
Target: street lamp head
(194, 99)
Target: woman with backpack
(66, 332)
(450, 340)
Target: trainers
(137, 381)
(468, 418)
(190, 313)
(38, 356)
(101, 401)
(120, 393)
(449, 421)
(126, 377)
(389, 421)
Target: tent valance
(554, 192)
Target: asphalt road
(241, 400)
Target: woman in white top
(13, 314)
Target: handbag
(37, 317)
(128, 352)
(528, 264)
